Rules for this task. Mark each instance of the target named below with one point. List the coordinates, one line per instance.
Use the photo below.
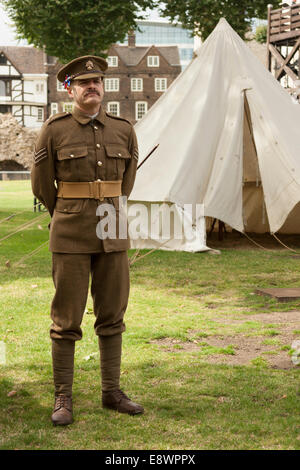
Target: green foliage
(228, 350)
(271, 333)
(286, 347)
(259, 362)
(261, 34)
(207, 13)
(71, 28)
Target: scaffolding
(283, 46)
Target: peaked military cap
(88, 66)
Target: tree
(71, 28)
(206, 13)
(261, 34)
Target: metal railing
(7, 175)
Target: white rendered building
(23, 84)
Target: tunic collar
(84, 119)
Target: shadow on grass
(22, 416)
(187, 405)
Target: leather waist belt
(90, 189)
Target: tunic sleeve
(130, 171)
(43, 170)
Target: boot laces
(118, 395)
(63, 401)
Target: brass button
(99, 163)
(119, 154)
(98, 146)
(71, 155)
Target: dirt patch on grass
(248, 349)
(248, 346)
(173, 345)
(239, 241)
(289, 319)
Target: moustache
(91, 91)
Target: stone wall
(16, 142)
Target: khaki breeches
(109, 288)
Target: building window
(160, 84)
(186, 53)
(2, 88)
(60, 86)
(141, 107)
(112, 60)
(153, 61)
(5, 109)
(39, 88)
(111, 84)
(5, 87)
(54, 108)
(3, 59)
(136, 84)
(68, 107)
(40, 114)
(113, 107)
(162, 34)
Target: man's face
(87, 93)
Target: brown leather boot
(117, 400)
(62, 413)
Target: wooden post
(269, 56)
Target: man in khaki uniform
(83, 160)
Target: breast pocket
(117, 155)
(72, 163)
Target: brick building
(136, 77)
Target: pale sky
(7, 35)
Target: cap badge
(89, 65)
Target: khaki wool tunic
(74, 148)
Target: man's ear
(70, 92)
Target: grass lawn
(208, 358)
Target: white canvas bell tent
(229, 138)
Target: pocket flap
(72, 152)
(68, 206)
(117, 151)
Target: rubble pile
(16, 142)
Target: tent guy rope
(17, 213)
(24, 226)
(29, 255)
(281, 243)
